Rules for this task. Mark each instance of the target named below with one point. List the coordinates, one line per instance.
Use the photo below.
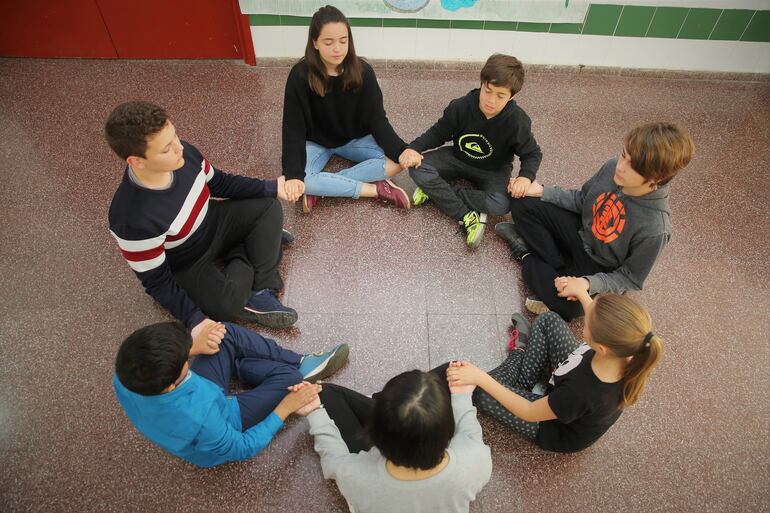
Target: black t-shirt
(584, 405)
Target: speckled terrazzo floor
(398, 286)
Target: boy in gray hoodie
(608, 234)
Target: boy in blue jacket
(185, 407)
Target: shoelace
(461, 228)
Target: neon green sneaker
(474, 224)
(419, 197)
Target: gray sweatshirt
(625, 233)
(368, 488)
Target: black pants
(243, 257)
(440, 167)
(552, 234)
(351, 411)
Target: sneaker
(308, 202)
(419, 197)
(265, 308)
(522, 325)
(316, 366)
(507, 232)
(536, 306)
(388, 192)
(474, 225)
(287, 239)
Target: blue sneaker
(265, 308)
(317, 366)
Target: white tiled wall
(530, 47)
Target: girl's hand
(570, 287)
(459, 389)
(519, 187)
(294, 189)
(312, 405)
(464, 373)
(295, 400)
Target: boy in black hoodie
(488, 129)
(606, 236)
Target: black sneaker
(265, 308)
(507, 231)
(287, 239)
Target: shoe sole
(408, 199)
(334, 364)
(270, 319)
(536, 307)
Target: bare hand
(518, 187)
(281, 193)
(309, 407)
(295, 400)
(571, 287)
(464, 373)
(535, 190)
(294, 189)
(456, 388)
(409, 158)
(207, 336)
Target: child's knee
(519, 206)
(423, 174)
(548, 319)
(498, 204)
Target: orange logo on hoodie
(609, 217)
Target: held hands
(207, 336)
(299, 400)
(463, 376)
(571, 288)
(535, 190)
(409, 158)
(292, 189)
(518, 187)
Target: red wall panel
(173, 29)
(53, 28)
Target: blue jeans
(258, 362)
(346, 183)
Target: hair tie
(647, 339)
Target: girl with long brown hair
(593, 381)
(333, 106)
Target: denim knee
(423, 174)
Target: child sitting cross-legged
(416, 446)
(591, 384)
(185, 407)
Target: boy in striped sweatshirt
(197, 257)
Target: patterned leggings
(550, 343)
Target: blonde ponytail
(625, 327)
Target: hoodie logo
(476, 146)
(609, 217)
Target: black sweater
(332, 120)
(488, 144)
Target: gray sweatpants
(550, 343)
(440, 167)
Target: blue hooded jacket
(196, 422)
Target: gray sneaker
(523, 325)
(506, 230)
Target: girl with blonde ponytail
(592, 382)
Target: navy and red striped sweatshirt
(160, 231)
